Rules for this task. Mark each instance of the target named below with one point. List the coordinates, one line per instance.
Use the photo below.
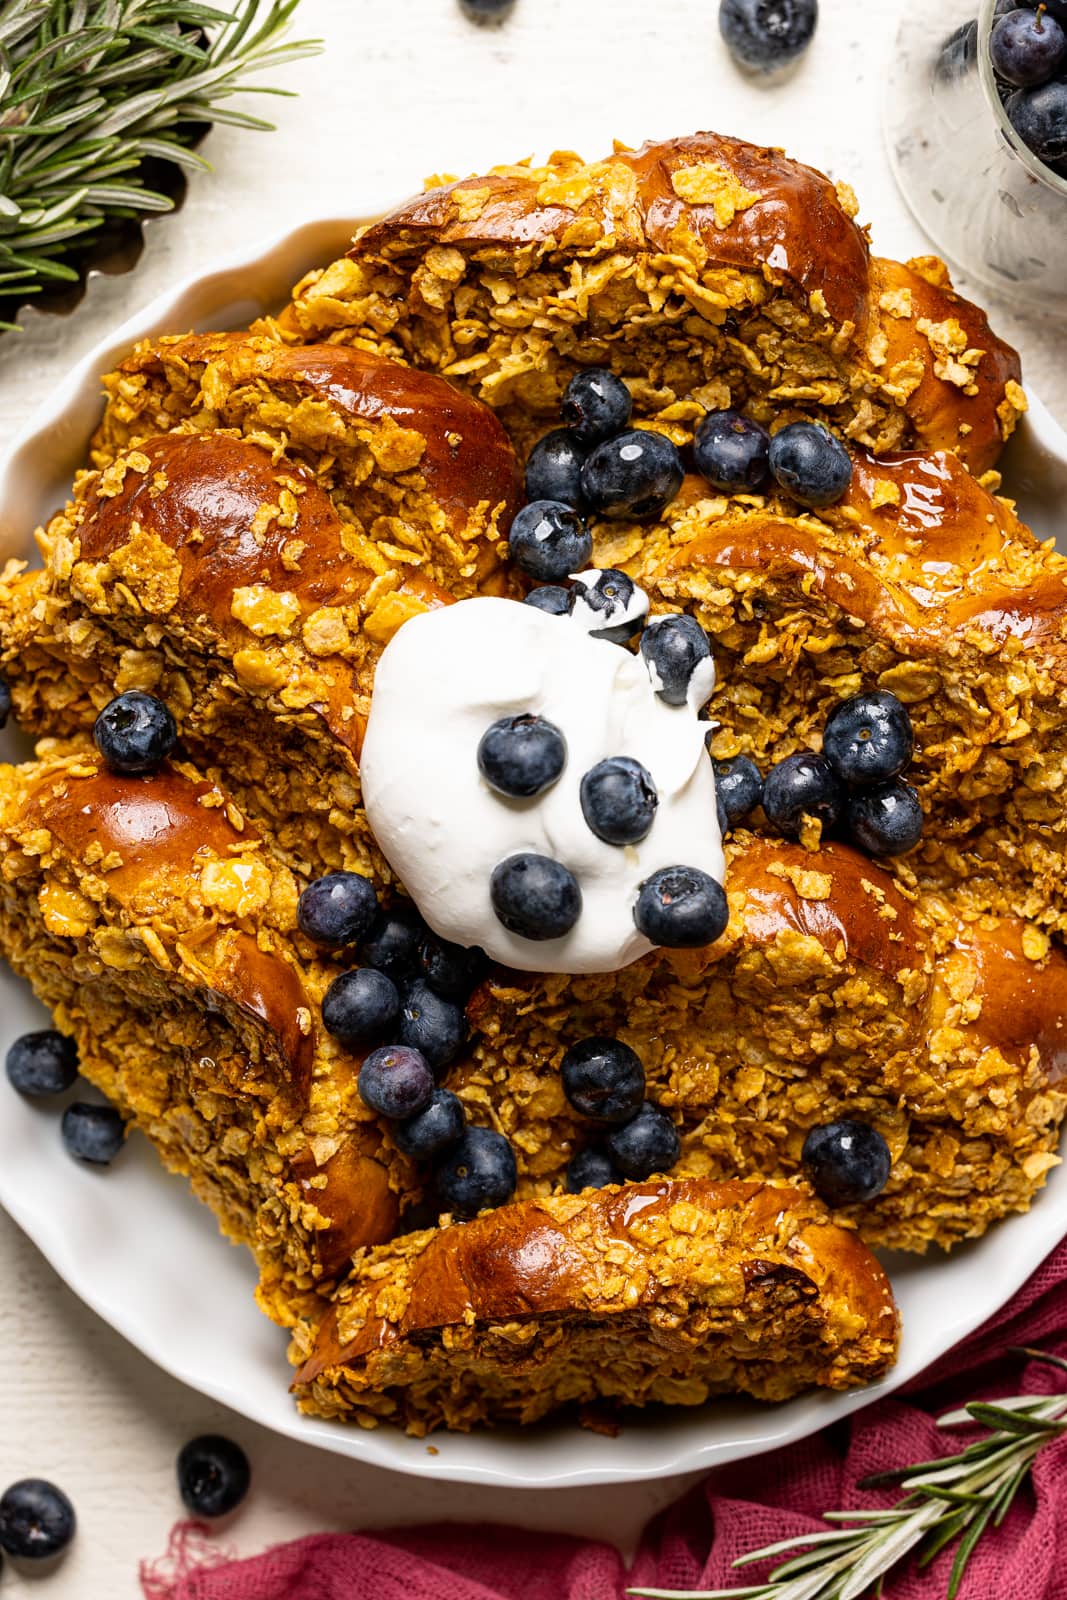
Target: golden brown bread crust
(161, 931)
(670, 1290)
(473, 279)
(835, 992)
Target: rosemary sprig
(94, 94)
(955, 1498)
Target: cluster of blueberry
(854, 786)
(413, 987)
(539, 898)
(604, 1081)
(43, 1065)
(1028, 50)
(38, 1521)
(597, 465)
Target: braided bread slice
(833, 994)
(664, 1292)
(160, 931)
(246, 576)
(707, 271)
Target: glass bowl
(989, 205)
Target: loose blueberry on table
(135, 733)
(337, 909)
(633, 477)
(522, 756)
(767, 35)
(430, 1024)
(549, 540)
(37, 1520)
(846, 1162)
(93, 1134)
(647, 1144)
(487, 12)
(478, 1172)
(603, 1079)
(213, 1475)
(42, 1063)
(396, 1082)
(619, 800)
(360, 1006)
(590, 1169)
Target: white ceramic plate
(139, 1250)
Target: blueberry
(810, 464)
(1027, 48)
(392, 945)
(674, 647)
(360, 1006)
(619, 800)
(42, 1063)
(487, 12)
(431, 1024)
(433, 1131)
(478, 1172)
(521, 756)
(451, 970)
(92, 1133)
(590, 1169)
(619, 607)
(764, 35)
(603, 1079)
(886, 820)
(1039, 117)
(135, 733)
(846, 1162)
(535, 897)
(549, 540)
(648, 1143)
(554, 468)
(396, 1082)
(802, 785)
(554, 599)
(681, 908)
(213, 1475)
(739, 786)
(634, 476)
(596, 405)
(868, 738)
(5, 702)
(731, 452)
(36, 1520)
(337, 909)
(722, 815)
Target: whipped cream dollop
(443, 680)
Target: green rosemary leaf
(994, 1416)
(91, 91)
(966, 1550)
(1039, 1355)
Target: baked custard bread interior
(614, 1184)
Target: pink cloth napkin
(693, 1544)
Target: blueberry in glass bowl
(975, 117)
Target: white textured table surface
(403, 90)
